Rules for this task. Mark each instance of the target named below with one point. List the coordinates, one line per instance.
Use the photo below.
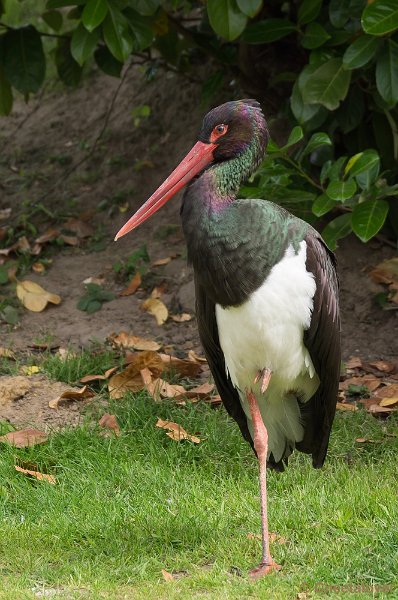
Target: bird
(267, 303)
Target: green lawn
(125, 508)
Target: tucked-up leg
(267, 564)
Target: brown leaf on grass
(192, 356)
(346, 406)
(40, 476)
(132, 286)
(150, 359)
(176, 432)
(181, 318)
(7, 353)
(75, 394)
(22, 244)
(47, 236)
(157, 308)
(109, 421)
(167, 576)
(201, 392)
(130, 380)
(159, 388)
(24, 437)
(106, 375)
(369, 381)
(391, 402)
(354, 362)
(364, 441)
(70, 240)
(380, 411)
(127, 340)
(34, 297)
(185, 368)
(387, 391)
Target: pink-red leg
(267, 564)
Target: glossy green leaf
(310, 115)
(317, 140)
(145, 7)
(62, 3)
(107, 62)
(6, 98)
(140, 29)
(368, 218)
(360, 52)
(335, 170)
(380, 17)
(295, 136)
(341, 190)
(249, 7)
(94, 13)
(69, 70)
(53, 18)
(314, 36)
(308, 11)
(337, 229)
(264, 32)
(351, 111)
(117, 35)
(369, 160)
(387, 73)
(226, 19)
(341, 11)
(328, 84)
(322, 205)
(83, 43)
(23, 60)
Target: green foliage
(137, 261)
(94, 298)
(343, 79)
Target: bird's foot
(265, 376)
(264, 568)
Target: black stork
(266, 297)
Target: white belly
(267, 332)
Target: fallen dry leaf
(364, 441)
(382, 411)
(74, 394)
(30, 370)
(96, 280)
(369, 381)
(47, 236)
(346, 406)
(132, 286)
(387, 391)
(159, 290)
(109, 421)
(70, 240)
(159, 388)
(79, 228)
(34, 297)
(162, 261)
(354, 362)
(66, 354)
(385, 272)
(167, 576)
(181, 318)
(40, 476)
(24, 437)
(127, 340)
(106, 375)
(201, 392)
(384, 366)
(157, 308)
(38, 267)
(7, 353)
(176, 432)
(192, 356)
(185, 368)
(391, 402)
(5, 213)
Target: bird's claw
(265, 376)
(264, 568)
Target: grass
(125, 508)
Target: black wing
(208, 333)
(322, 340)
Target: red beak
(199, 157)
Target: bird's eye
(218, 131)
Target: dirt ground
(41, 142)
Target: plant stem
(394, 131)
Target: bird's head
(230, 131)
